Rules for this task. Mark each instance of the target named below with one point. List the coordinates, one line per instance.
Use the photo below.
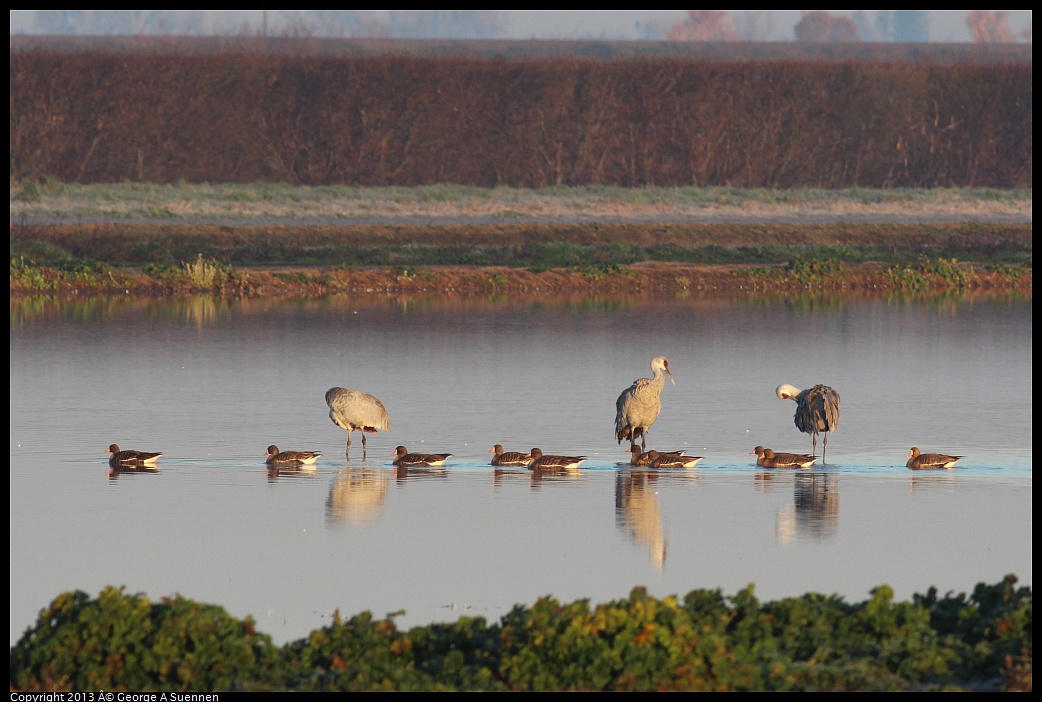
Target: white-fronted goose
(404, 459)
(508, 458)
(817, 410)
(768, 458)
(644, 458)
(638, 457)
(353, 410)
(290, 458)
(638, 406)
(544, 462)
(930, 461)
(671, 460)
(129, 457)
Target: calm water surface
(211, 383)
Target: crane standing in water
(639, 405)
(817, 410)
(354, 410)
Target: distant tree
(910, 26)
(648, 31)
(753, 25)
(867, 27)
(119, 22)
(820, 26)
(703, 25)
(884, 25)
(328, 23)
(444, 24)
(989, 26)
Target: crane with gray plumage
(353, 410)
(817, 411)
(639, 405)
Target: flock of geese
(637, 408)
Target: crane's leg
(363, 444)
(348, 454)
(824, 443)
(814, 446)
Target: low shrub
(127, 642)
(704, 641)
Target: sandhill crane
(404, 459)
(817, 410)
(291, 458)
(671, 460)
(639, 405)
(508, 458)
(129, 457)
(769, 459)
(354, 410)
(928, 461)
(549, 462)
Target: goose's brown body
(289, 458)
(508, 458)
(671, 460)
(404, 459)
(540, 461)
(129, 457)
(768, 458)
(930, 461)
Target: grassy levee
(266, 239)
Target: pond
(212, 382)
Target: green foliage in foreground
(704, 641)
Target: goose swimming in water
(930, 461)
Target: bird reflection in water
(403, 473)
(929, 480)
(550, 475)
(637, 512)
(815, 510)
(356, 496)
(116, 471)
(276, 471)
(501, 475)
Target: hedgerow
(703, 641)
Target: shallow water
(211, 383)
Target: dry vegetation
(272, 167)
(166, 116)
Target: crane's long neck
(659, 381)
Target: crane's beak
(670, 376)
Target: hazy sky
(944, 25)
